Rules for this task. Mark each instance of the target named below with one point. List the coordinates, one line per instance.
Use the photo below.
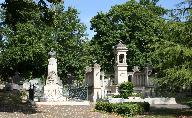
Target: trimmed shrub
(145, 106)
(126, 89)
(124, 109)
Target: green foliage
(165, 44)
(126, 89)
(26, 44)
(137, 24)
(138, 95)
(19, 11)
(117, 96)
(145, 105)
(30, 28)
(172, 59)
(22, 11)
(124, 109)
(183, 11)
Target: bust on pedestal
(53, 90)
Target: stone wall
(149, 100)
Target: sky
(89, 8)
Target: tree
(72, 45)
(27, 43)
(172, 58)
(183, 10)
(137, 24)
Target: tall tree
(72, 45)
(172, 58)
(27, 43)
(137, 24)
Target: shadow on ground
(25, 108)
(11, 101)
(170, 112)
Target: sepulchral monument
(120, 66)
(53, 90)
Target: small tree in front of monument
(126, 89)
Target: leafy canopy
(26, 42)
(137, 24)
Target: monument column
(97, 83)
(53, 90)
(120, 66)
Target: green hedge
(124, 109)
(144, 105)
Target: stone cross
(135, 69)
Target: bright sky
(89, 8)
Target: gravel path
(53, 112)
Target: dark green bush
(145, 105)
(104, 106)
(126, 89)
(138, 95)
(125, 109)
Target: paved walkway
(54, 112)
(11, 111)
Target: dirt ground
(52, 112)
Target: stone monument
(53, 90)
(120, 66)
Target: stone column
(102, 84)
(146, 77)
(52, 65)
(97, 83)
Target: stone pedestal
(54, 93)
(97, 82)
(52, 65)
(121, 74)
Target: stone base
(53, 93)
(149, 100)
(54, 99)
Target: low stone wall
(149, 100)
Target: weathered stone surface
(149, 100)
(120, 66)
(53, 90)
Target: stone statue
(52, 53)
